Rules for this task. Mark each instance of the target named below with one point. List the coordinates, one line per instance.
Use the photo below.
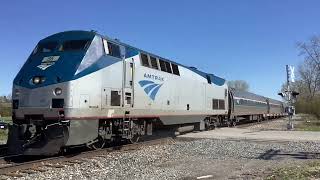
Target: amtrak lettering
(154, 77)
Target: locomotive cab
(43, 91)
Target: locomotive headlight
(36, 80)
(42, 79)
(58, 91)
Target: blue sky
(249, 39)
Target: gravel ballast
(186, 159)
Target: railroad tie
(13, 174)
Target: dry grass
(5, 109)
(308, 123)
(308, 171)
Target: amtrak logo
(150, 88)
(47, 62)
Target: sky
(249, 40)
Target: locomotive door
(128, 75)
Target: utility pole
(289, 95)
(290, 107)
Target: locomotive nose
(43, 97)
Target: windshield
(45, 47)
(74, 45)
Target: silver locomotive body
(81, 88)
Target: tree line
(308, 77)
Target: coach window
(168, 67)
(144, 60)
(154, 63)
(162, 65)
(241, 101)
(175, 69)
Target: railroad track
(244, 125)
(13, 169)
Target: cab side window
(111, 49)
(114, 50)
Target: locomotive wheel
(135, 139)
(99, 144)
(229, 123)
(234, 123)
(206, 127)
(215, 125)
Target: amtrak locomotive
(82, 88)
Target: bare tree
(9, 97)
(239, 85)
(309, 70)
(309, 78)
(311, 50)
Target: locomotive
(82, 88)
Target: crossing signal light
(295, 94)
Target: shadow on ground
(272, 154)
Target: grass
(6, 104)
(4, 133)
(6, 119)
(308, 123)
(308, 171)
(5, 109)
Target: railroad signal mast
(289, 96)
